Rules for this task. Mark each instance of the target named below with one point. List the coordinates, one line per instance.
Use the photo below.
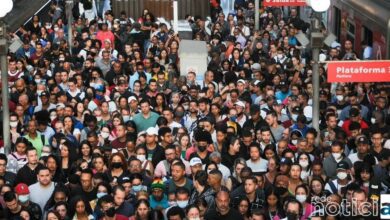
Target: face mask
(37, 81)
(186, 107)
(294, 142)
(373, 120)
(202, 148)
(104, 135)
(142, 158)
(23, 198)
(301, 198)
(294, 117)
(280, 56)
(339, 98)
(179, 114)
(182, 204)
(137, 188)
(342, 175)
(61, 59)
(366, 184)
(291, 216)
(116, 165)
(92, 84)
(99, 118)
(126, 118)
(47, 26)
(304, 163)
(194, 218)
(45, 154)
(13, 124)
(52, 117)
(280, 190)
(100, 195)
(56, 29)
(336, 155)
(172, 203)
(99, 97)
(233, 118)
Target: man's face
(44, 177)
(157, 194)
(293, 208)
(170, 155)
(3, 165)
(168, 115)
(86, 181)
(177, 173)
(222, 202)
(13, 205)
(119, 197)
(266, 136)
(376, 139)
(32, 157)
(254, 153)
(153, 86)
(250, 186)
(332, 122)
(145, 108)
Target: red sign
(359, 71)
(279, 3)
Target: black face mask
(280, 190)
(291, 216)
(202, 148)
(116, 165)
(110, 212)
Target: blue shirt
(163, 203)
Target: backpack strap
(43, 139)
(333, 187)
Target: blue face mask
(233, 118)
(137, 188)
(100, 195)
(99, 97)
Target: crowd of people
(104, 126)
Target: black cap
(44, 93)
(297, 109)
(286, 161)
(124, 179)
(323, 92)
(353, 112)
(342, 165)
(362, 140)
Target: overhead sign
(359, 71)
(279, 3)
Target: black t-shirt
(12, 216)
(231, 215)
(87, 195)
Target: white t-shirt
(258, 166)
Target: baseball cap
(60, 105)
(285, 161)
(131, 98)
(124, 179)
(240, 103)
(22, 189)
(151, 131)
(195, 161)
(241, 81)
(44, 93)
(255, 67)
(342, 165)
(362, 140)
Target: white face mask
(52, 117)
(44, 154)
(126, 118)
(294, 117)
(294, 142)
(182, 204)
(373, 120)
(340, 98)
(194, 218)
(104, 134)
(171, 203)
(280, 56)
(13, 124)
(99, 118)
(142, 158)
(56, 29)
(23, 198)
(366, 184)
(342, 175)
(304, 163)
(336, 155)
(301, 198)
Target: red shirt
(345, 127)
